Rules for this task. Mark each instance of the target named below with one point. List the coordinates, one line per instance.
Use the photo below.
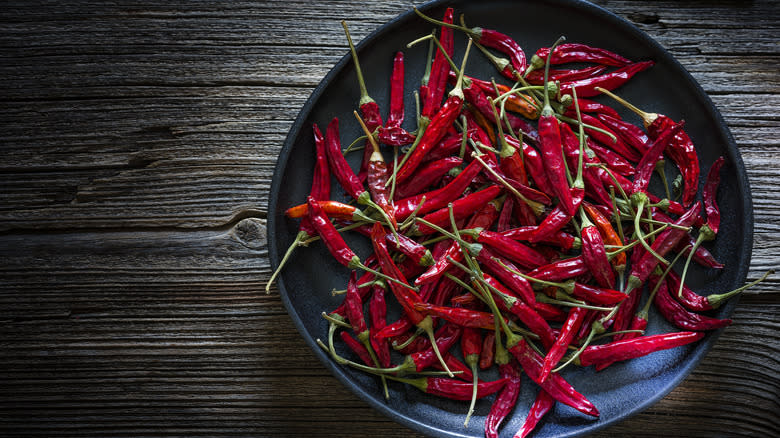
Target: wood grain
(137, 149)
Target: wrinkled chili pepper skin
(595, 256)
(637, 347)
(370, 114)
(709, 195)
(558, 349)
(406, 245)
(646, 166)
(330, 237)
(486, 358)
(680, 317)
(561, 239)
(332, 209)
(493, 264)
(354, 307)
(338, 165)
(682, 151)
(378, 174)
(439, 69)
(320, 185)
(439, 198)
(536, 77)
(533, 164)
(395, 116)
(575, 52)
(618, 145)
(446, 337)
(506, 399)
(555, 167)
(613, 160)
(433, 133)
(504, 44)
(459, 390)
(514, 251)
(598, 296)
(555, 220)
(532, 319)
(628, 132)
(542, 405)
(608, 234)
(461, 208)
(591, 106)
(555, 385)
(359, 349)
(377, 311)
(459, 316)
(426, 175)
(690, 299)
(610, 81)
(560, 270)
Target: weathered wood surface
(137, 146)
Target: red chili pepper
(439, 198)
(555, 385)
(617, 145)
(406, 245)
(530, 317)
(458, 315)
(460, 369)
(339, 166)
(680, 317)
(446, 336)
(554, 165)
(646, 167)
(536, 77)
(395, 117)
(330, 236)
(320, 185)
(453, 389)
(507, 213)
(609, 81)
(664, 242)
(479, 101)
(561, 239)
(354, 308)
(591, 106)
(511, 249)
(486, 358)
(555, 220)
(506, 399)
(560, 270)
(608, 234)
(359, 349)
(405, 295)
(471, 346)
(426, 175)
(439, 69)
(613, 160)
(709, 194)
(516, 102)
(461, 208)
(558, 349)
(636, 347)
(597, 295)
(701, 256)
(595, 255)
(533, 164)
(574, 52)
(377, 311)
(542, 405)
(500, 268)
(628, 132)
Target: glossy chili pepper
(561, 239)
(628, 132)
(339, 166)
(505, 400)
(451, 388)
(406, 296)
(471, 346)
(395, 116)
(646, 167)
(426, 175)
(439, 198)
(636, 347)
(458, 315)
(330, 237)
(439, 69)
(501, 269)
(486, 358)
(608, 234)
(377, 312)
(461, 208)
(613, 160)
(519, 103)
(555, 385)
(558, 349)
(446, 336)
(333, 209)
(591, 106)
(617, 145)
(554, 164)
(709, 195)
(527, 314)
(507, 213)
(541, 406)
(596, 295)
(359, 349)
(414, 250)
(552, 224)
(460, 369)
(680, 317)
(595, 255)
(536, 77)
(664, 242)
(574, 52)
(560, 270)
(533, 164)
(478, 100)
(354, 308)
(510, 249)
(610, 81)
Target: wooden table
(138, 144)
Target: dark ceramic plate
(621, 390)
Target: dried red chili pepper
(439, 69)
(575, 52)
(591, 106)
(414, 250)
(377, 311)
(608, 234)
(462, 208)
(709, 195)
(542, 405)
(511, 249)
(594, 254)
(613, 160)
(561, 239)
(516, 102)
(635, 347)
(330, 237)
(616, 144)
(506, 399)
(359, 349)
(555, 385)
(527, 314)
(628, 132)
(560, 270)
(501, 269)
(339, 166)
(536, 77)
(552, 224)
(610, 81)
(680, 317)
(646, 167)
(426, 175)
(507, 213)
(558, 349)
(458, 315)
(395, 116)
(450, 388)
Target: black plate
(621, 390)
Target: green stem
(364, 97)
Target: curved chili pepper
(536, 77)
(709, 195)
(555, 220)
(617, 145)
(426, 175)
(359, 349)
(339, 166)
(542, 405)
(560, 270)
(555, 385)
(575, 52)
(561, 239)
(439, 69)
(591, 106)
(377, 311)
(594, 254)
(466, 318)
(597, 295)
(558, 349)
(330, 236)
(628, 132)
(519, 103)
(354, 308)
(646, 167)
(636, 347)
(610, 81)
(394, 136)
(701, 256)
(511, 249)
(417, 252)
(527, 314)
(462, 208)
(608, 234)
(478, 100)
(451, 388)
(500, 268)
(680, 317)
(613, 160)
(333, 209)
(533, 164)
(506, 399)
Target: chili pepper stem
(660, 167)
(642, 199)
(357, 264)
(537, 207)
(475, 378)
(427, 325)
(647, 118)
(577, 353)
(705, 233)
(568, 287)
(364, 97)
(299, 239)
(717, 300)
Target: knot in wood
(251, 232)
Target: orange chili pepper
(333, 209)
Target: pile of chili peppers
(515, 226)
